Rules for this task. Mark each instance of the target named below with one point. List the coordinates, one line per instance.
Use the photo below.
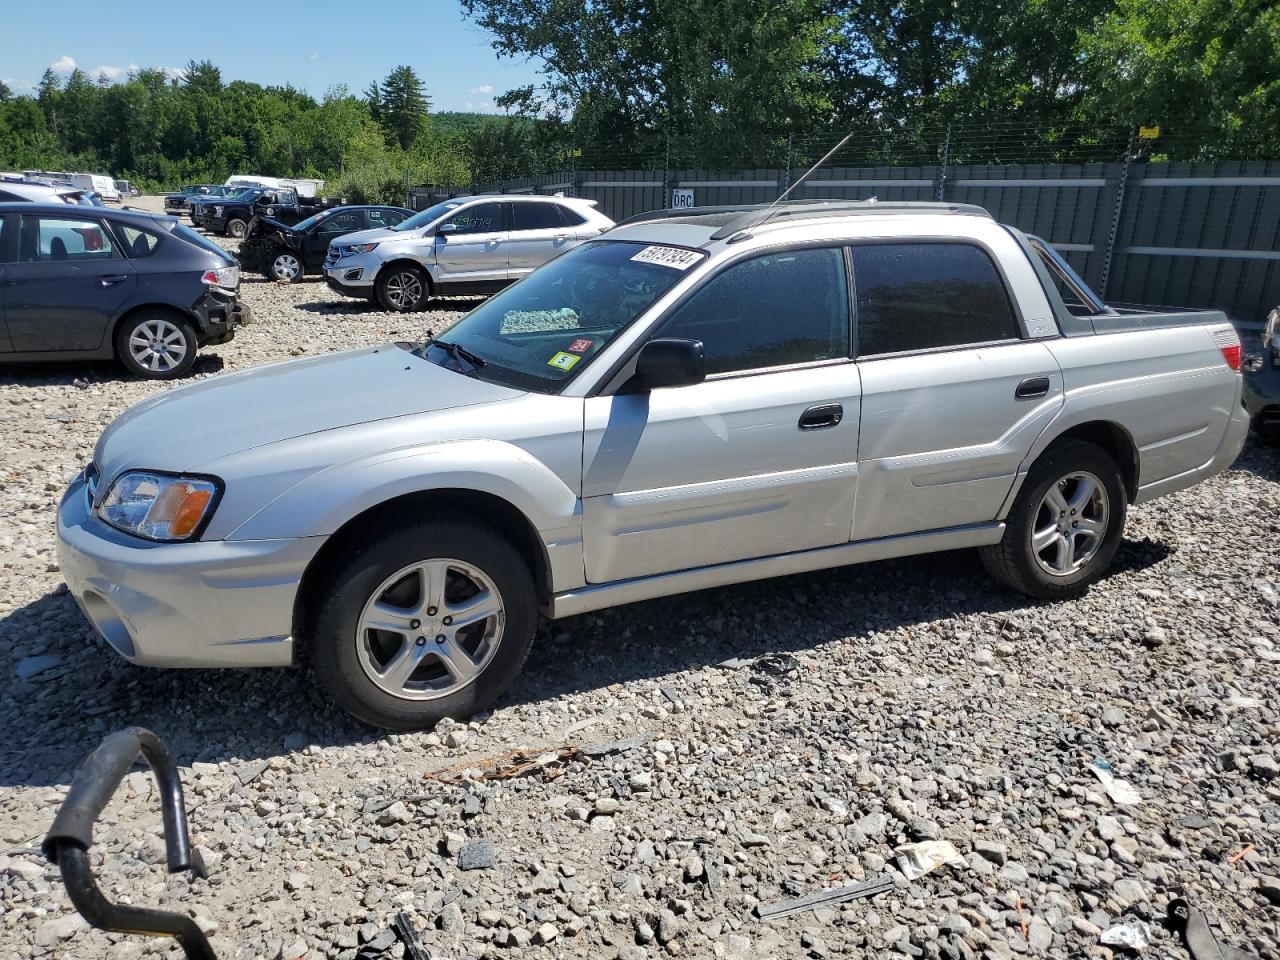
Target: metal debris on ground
(1131, 934)
(917, 859)
(1192, 925)
(1237, 857)
(854, 891)
(413, 947)
(1120, 791)
(527, 760)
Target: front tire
(285, 267)
(419, 622)
(402, 288)
(237, 228)
(156, 345)
(1065, 526)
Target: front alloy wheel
(286, 267)
(402, 289)
(430, 629)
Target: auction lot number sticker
(672, 257)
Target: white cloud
(112, 73)
(312, 57)
(485, 88)
(174, 73)
(18, 86)
(64, 64)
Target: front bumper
(352, 276)
(220, 603)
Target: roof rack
(750, 215)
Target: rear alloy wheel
(402, 289)
(157, 345)
(286, 267)
(420, 621)
(1065, 525)
(236, 228)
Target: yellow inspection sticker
(563, 361)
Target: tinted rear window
(186, 233)
(921, 296)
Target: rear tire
(284, 266)
(156, 344)
(1065, 525)
(236, 228)
(414, 579)
(402, 288)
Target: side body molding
(320, 504)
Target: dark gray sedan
(85, 283)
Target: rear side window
(54, 240)
(137, 243)
(571, 218)
(922, 296)
(769, 311)
(385, 218)
(534, 216)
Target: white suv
(465, 245)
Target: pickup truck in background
(692, 399)
(230, 216)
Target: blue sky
(312, 45)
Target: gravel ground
(681, 761)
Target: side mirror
(447, 228)
(668, 363)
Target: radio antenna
(765, 213)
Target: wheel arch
(504, 517)
(136, 309)
(1111, 437)
(403, 261)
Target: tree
(5, 92)
(403, 105)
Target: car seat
(57, 249)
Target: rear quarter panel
(1169, 388)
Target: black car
(176, 203)
(287, 253)
(231, 216)
(1262, 381)
(83, 283)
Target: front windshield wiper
(459, 353)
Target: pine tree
(403, 106)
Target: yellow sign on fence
(1149, 133)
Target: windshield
(427, 216)
(544, 330)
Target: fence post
(666, 173)
(786, 176)
(1115, 219)
(946, 157)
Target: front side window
(345, 222)
(481, 218)
(769, 311)
(535, 216)
(922, 296)
(543, 331)
(53, 240)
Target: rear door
(68, 283)
(538, 233)
(953, 396)
(474, 251)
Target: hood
(261, 226)
(374, 235)
(190, 428)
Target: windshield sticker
(672, 257)
(581, 345)
(535, 321)
(563, 361)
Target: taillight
(1229, 343)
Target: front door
(316, 243)
(67, 285)
(759, 459)
(952, 397)
(474, 252)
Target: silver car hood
(373, 235)
(186, 429)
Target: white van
(99, 183)
(304, 188)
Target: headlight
(158, 506)
(352, 249)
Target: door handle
(1031, 388)
(562, 236)
(823, 415)
(113, 278)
